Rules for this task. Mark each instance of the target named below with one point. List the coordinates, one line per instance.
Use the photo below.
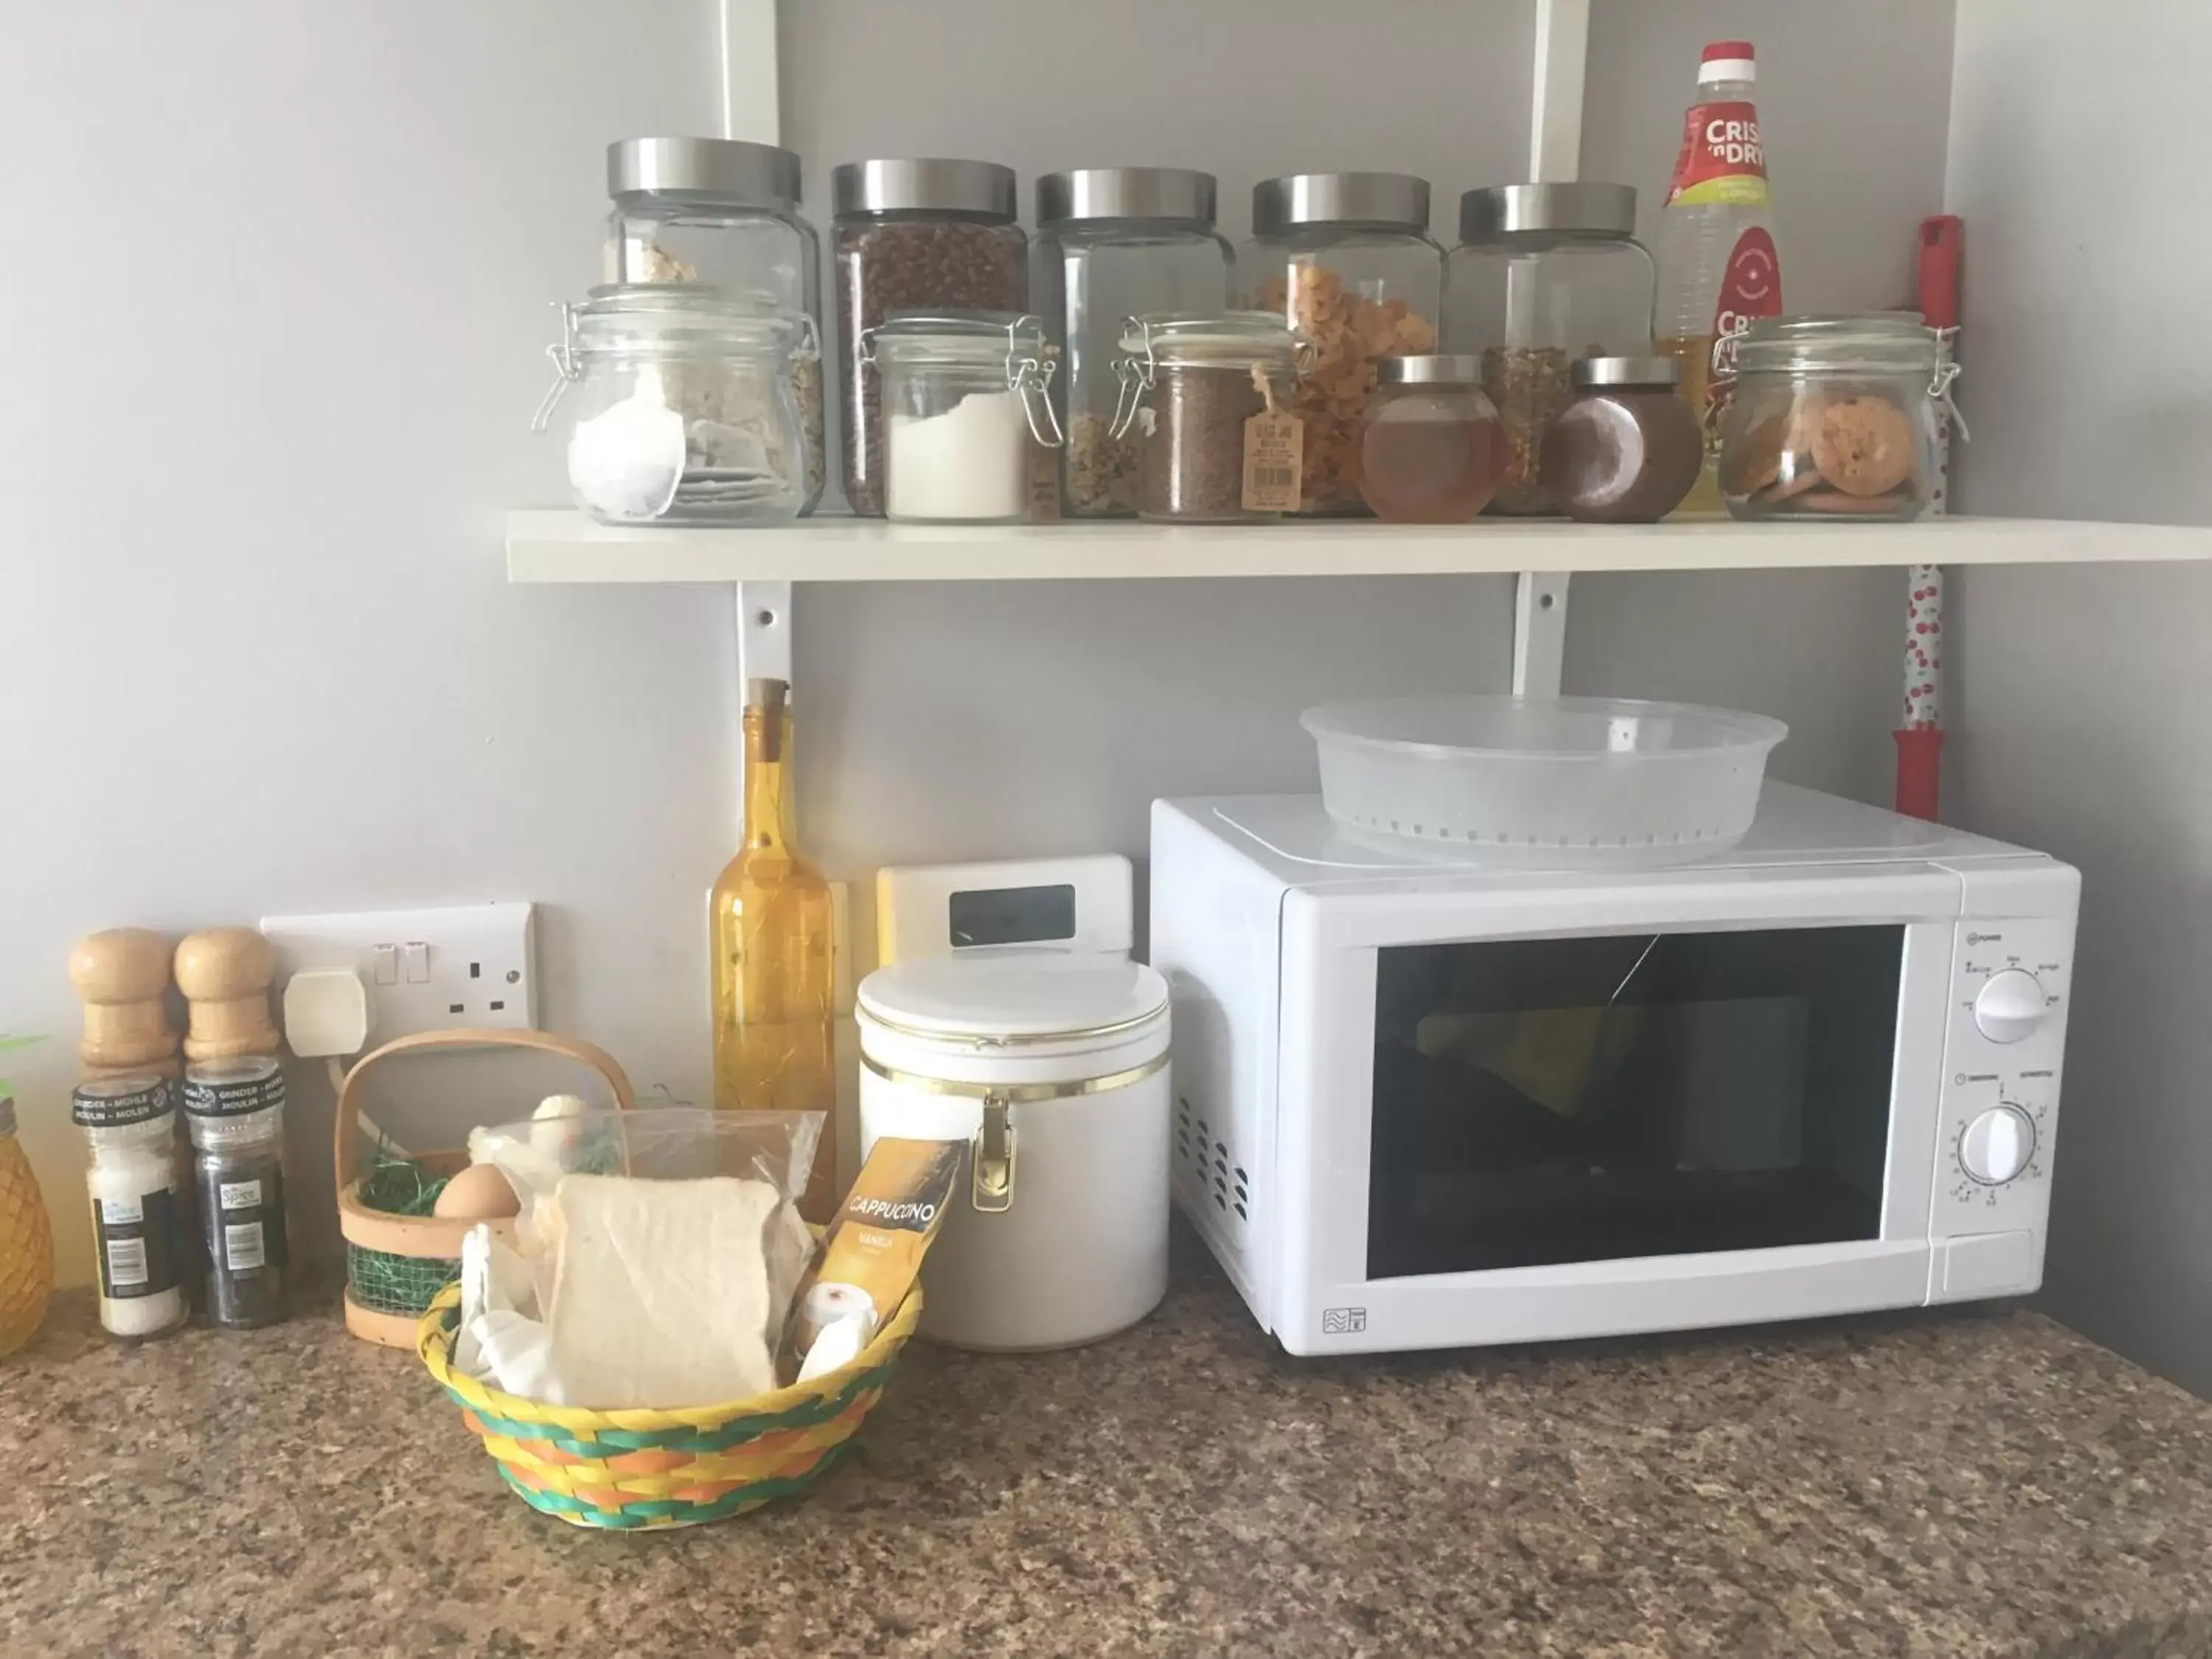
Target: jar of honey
(1429, 448)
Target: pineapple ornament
(26, 1237)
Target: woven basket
(634, 1469)
(409, 1258)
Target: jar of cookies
(1346, 259)
(1836, 417)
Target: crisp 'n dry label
(1750, 288)
(1274, 450)
(1722, 159)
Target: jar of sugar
(129, 1126)
(964, 401)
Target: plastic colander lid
(1540, 728)
(1021, 994)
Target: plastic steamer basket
(1551, 783)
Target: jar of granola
(1346, 260)
(1545, 275)
(1113, 243)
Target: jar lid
(1431, 368)
(116, 1102)
(1081, 193)
(1202, 335)
(1873, 340)
(1397, 200)
(1625, 371)
(232, 1088)
(931, 184)
(963, 333)
(704, 171)
(1496, 212)
(1011, 998)
(627, 316)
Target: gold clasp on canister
(994, 1188)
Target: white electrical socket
(426, 970)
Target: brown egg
(480, 1193)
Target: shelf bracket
(1539, 632)
(763, 633)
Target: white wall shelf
(563, 546)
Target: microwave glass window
(1545, 1101)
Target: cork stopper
(768, 699)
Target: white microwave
(1419, 1104)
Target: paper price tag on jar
(1274, 451)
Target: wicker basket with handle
(408, 1259)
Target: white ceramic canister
(1054, 1069)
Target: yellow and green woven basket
(633, 1469)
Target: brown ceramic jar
(1626, 448)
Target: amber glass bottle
(769, 926)
(26, 1239)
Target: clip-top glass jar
(1113, 243)
(1347, 259)
(129, 1126)
(1544, 275)
(964, 396)
(1836, 417)
(726, 214)
(919, 235)
(688, 410)
(1192, 385)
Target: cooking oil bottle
(26, 1239)
(769, 925)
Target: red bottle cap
(1729, 49)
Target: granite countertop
(1947, 1482)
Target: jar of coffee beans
(1210, 399)
(916, 236)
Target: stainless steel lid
(1395, 199)
(1568, 210)
(931, 184)
(1625, 371)
(1180, 193)
(707, 171)
(1434, 368)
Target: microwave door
(1544, 1102)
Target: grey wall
(975, 722)
(1852, 103)
(2077, 154)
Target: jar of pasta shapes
(1544, 276)
(1113, 243)
(1346, 260)
(1836, 417)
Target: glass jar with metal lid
(965, 394)
(1193, 386)
(1544, 275)
(725, 214)
(1430, 446)
(1113, 243)
(1836, 417)
(687, 411)
(913, 235)
(1626, 448)
(1347, 259)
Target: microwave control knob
(2009, 1006)
(1997, 1145)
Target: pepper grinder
(224, 974)
(121, 975)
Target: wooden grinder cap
(224, 973)
(121, 975)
